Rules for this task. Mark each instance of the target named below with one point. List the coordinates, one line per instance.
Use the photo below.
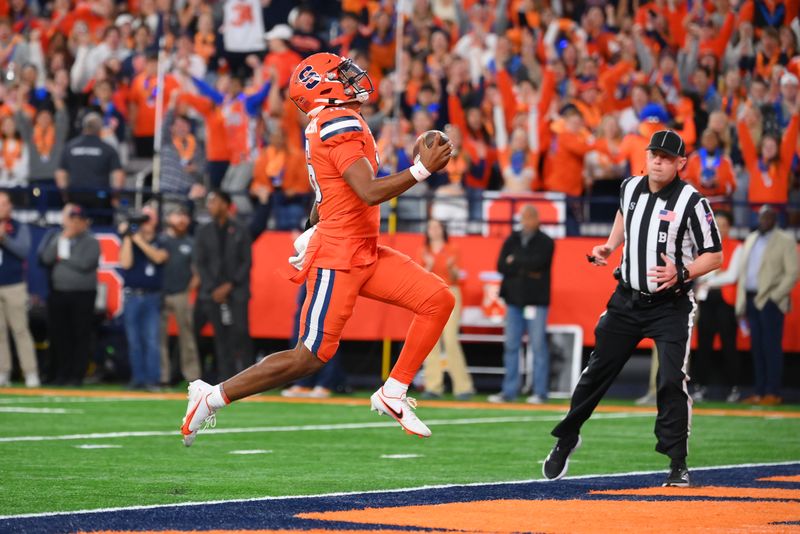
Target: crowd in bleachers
(536, 95)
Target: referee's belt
(650, 298)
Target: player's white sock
(394, 388)
(217, 399)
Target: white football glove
(300, 245)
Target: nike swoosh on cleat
(185, 428)
(394, 414)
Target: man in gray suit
(766, 278)
(222, 259)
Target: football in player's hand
(428, 138)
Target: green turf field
(478, 445)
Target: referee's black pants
(625, 323)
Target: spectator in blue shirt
(142, 257)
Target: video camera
(133, 221)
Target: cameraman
(141, 257)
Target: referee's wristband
(419, 172)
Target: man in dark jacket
(525, 262)
(222, 259)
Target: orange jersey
(564, 168)
(143, 94)
(216, 139)
(713, 177)
(237, 129)
(769, 182)
(348, 228)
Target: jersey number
(312, 176)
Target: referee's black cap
(669, 142)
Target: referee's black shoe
(557, 462)
(678, 477)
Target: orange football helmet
(325, 79)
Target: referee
(669, 238)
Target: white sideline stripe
(372, 492)
(400, 456)
(305, 428)
(23, 409)
(92, 446)
(251, 451)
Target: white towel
(300, 245)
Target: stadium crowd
(536, 95)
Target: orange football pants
(394, 279)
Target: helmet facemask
(356, 81)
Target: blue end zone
(272, 513)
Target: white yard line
(64, 400)
(90, 446)
(307, 428)
(24, 409)
(400, 456)
(251, 451)
(371, 492)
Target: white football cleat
(401, 410)
(198, 413)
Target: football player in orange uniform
(339, 257)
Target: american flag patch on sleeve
(666, 215)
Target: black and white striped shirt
(676, 221)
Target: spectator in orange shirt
(142, 105)
(588, 103)
(634, 145)
(564, 167)
(280, 57)
(709, 169)
(769, 165)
